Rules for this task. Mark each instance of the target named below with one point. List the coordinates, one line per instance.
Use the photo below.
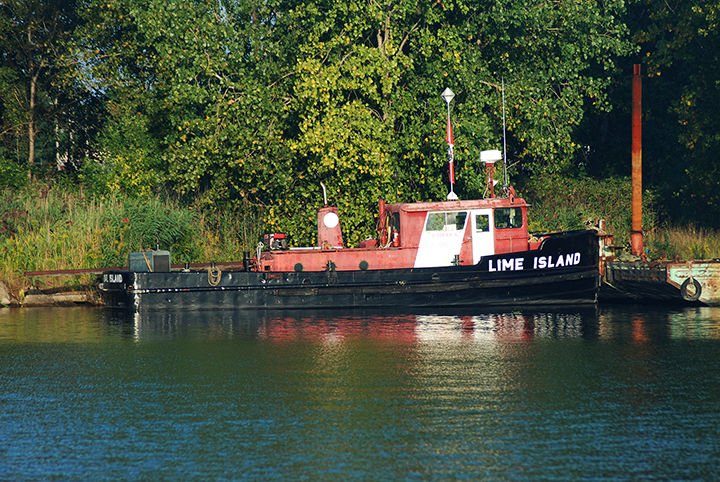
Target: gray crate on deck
(145, 261)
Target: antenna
(504, 155)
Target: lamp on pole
(448, 95)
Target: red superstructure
(413, 235)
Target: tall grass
(685, 243)
(562, 203)
(45, 228)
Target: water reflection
(644, 323)
(52, 325)
(641, 324)
(495, 327)
(700, 322)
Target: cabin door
(483, 233)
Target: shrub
(12, 174)
(47, 227)
(562, 203)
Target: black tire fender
(684, 290)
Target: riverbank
(50, 227)
(56, 297)
(47, 227)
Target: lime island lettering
(542, 262)
(507, 264)
(112, 278)
(538, 262)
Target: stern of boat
(115, 288)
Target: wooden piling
(636, 234)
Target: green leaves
(259, 102)
(556, 58)
(35, 98)
(367, 79)
(679, 51)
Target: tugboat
(426, 254)
(444, 254)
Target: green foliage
(12, 174)
(95, 179)
(36, 103)
(259, 103)
(196, 97)
(227, 234)
(679, 42)
(237, 103)
(54, 227)
(563, 203)
(346, 77)
(58, 229)
(557, 59)
(144, 224)
(370, 120)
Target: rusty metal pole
(490, 177)
(636, 234)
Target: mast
(448, 95)
(504, 155)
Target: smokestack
(636, 234)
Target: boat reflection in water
(333, 326)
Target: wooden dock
(695, 282)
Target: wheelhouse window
(508, 218)
(446, 221)
(482, 223)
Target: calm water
(607, 393)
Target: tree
(368, 78)
(680, 44)
(33, 34)
(195, 96)
(260, 102)
(350, 61)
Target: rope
(147, 262)
(214, 276)
(384, 229)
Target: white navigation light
(331, 220)
(448, 95)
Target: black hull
(484, 284)
(444, 287)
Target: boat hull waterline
(564, 270)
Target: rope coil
(214, 276)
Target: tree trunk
(34, 76)
(31, 123)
